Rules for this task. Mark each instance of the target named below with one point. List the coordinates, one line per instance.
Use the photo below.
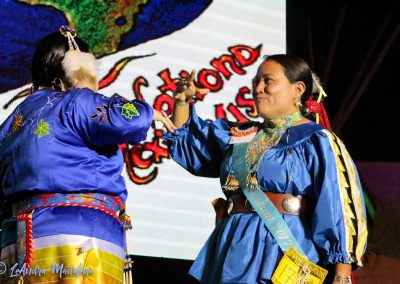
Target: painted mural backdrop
(143, 48)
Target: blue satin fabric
(241, 249)
(80, 152)
(77, 221)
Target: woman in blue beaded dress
(62, 193)
(290, 158)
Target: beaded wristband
(343, 279)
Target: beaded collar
(267, 137)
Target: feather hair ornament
(79, 67)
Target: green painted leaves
(129, 110)
(42, 129)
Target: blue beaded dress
(61, 183)
(309, 161)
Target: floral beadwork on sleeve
(101, 114)
(17, 122)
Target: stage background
(223, 40)
(353, 47)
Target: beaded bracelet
(343, 279)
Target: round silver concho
(291, 204)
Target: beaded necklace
(266, 138)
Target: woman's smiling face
(274, 95)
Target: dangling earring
(299, 104)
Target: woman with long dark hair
(60, 170)
(290, 184)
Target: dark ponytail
(46, 64)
